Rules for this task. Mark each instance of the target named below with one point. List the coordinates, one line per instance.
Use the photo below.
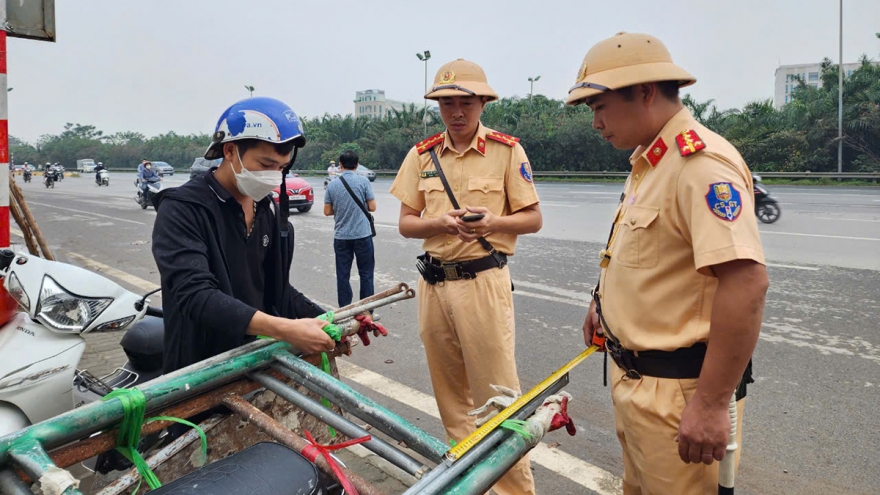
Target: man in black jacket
(223, 256)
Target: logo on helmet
(582, 72)
(291, 117)
(448, 77)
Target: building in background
(787, 79)
(373, 104)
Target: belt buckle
(451, 271)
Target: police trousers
(647, 414)
(467, 327)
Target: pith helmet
(625, 60)
(460, 78)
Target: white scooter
(145, 196)
(41, 345)
(103, 178)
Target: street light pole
(532, 86)
(250, 90)
(424, 57)
(840, 99)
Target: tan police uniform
(467, 325)
(688, 205)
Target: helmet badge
(448, 77)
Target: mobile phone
(473, 218)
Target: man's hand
(592, 325)
(449, 221)
(703, 432)
(471, 231)
(306, 335)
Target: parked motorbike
(42, 344)
(766, 207)
(102, 178)
(145, 195)
(27, 175)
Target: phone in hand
(473, 218)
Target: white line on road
(823, 235)
(566, 465)
(86, 213)
(795, 267)
(128, 278)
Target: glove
(495, 405)
(368, 325)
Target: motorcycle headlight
(114, 325)
(66, 312)
(13, 286)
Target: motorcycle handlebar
(155, 311)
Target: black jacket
(202, 319)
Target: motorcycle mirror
(140, 304)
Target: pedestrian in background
(350, 200)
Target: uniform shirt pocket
(639, 243)
(486, 191)
(436, 202)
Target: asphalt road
(811, 424)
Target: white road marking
(128, 278)
(845, 219)
(795, 267)
(822, 235)
(87, 213)
(572, 296)
(566, 465)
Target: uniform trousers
(647, 414)
(467, 327)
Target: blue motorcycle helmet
(262, 118)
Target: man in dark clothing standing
(353, 237)
(223, 256)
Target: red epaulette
(429, 143)
(503, 138)
(689, 143)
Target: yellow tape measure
(474, 438)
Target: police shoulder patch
(525, 170)
(427, 144)
(503, 138)
(724, 201)
(689, 143)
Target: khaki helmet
(460, 78)
(625, 60)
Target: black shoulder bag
(361, 205)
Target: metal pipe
(342, 315)
(483, 475)
(132, 476)
(450, 470)
(29, 456)
(401, 287)
(83, 421)
(346, 427)
(840, 99)
(286, 437)
(11, 484)
(363, 407)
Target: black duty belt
(435, 270)
(684, 363)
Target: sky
(160, 65)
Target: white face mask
(256, 185)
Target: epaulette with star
(427, 144)
(689, 143)
(503, 138)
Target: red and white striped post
(4, 143)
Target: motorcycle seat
(262, 469)
(144, 343)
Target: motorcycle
(27, 175)
(102, 178)
(145, 195)
(42, 344)
(766, 207)
(49, 178)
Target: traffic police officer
(681, 291)
(465, 301)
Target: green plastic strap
(325, 367)
(134, 406)
(518, 426)
(332, 330)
